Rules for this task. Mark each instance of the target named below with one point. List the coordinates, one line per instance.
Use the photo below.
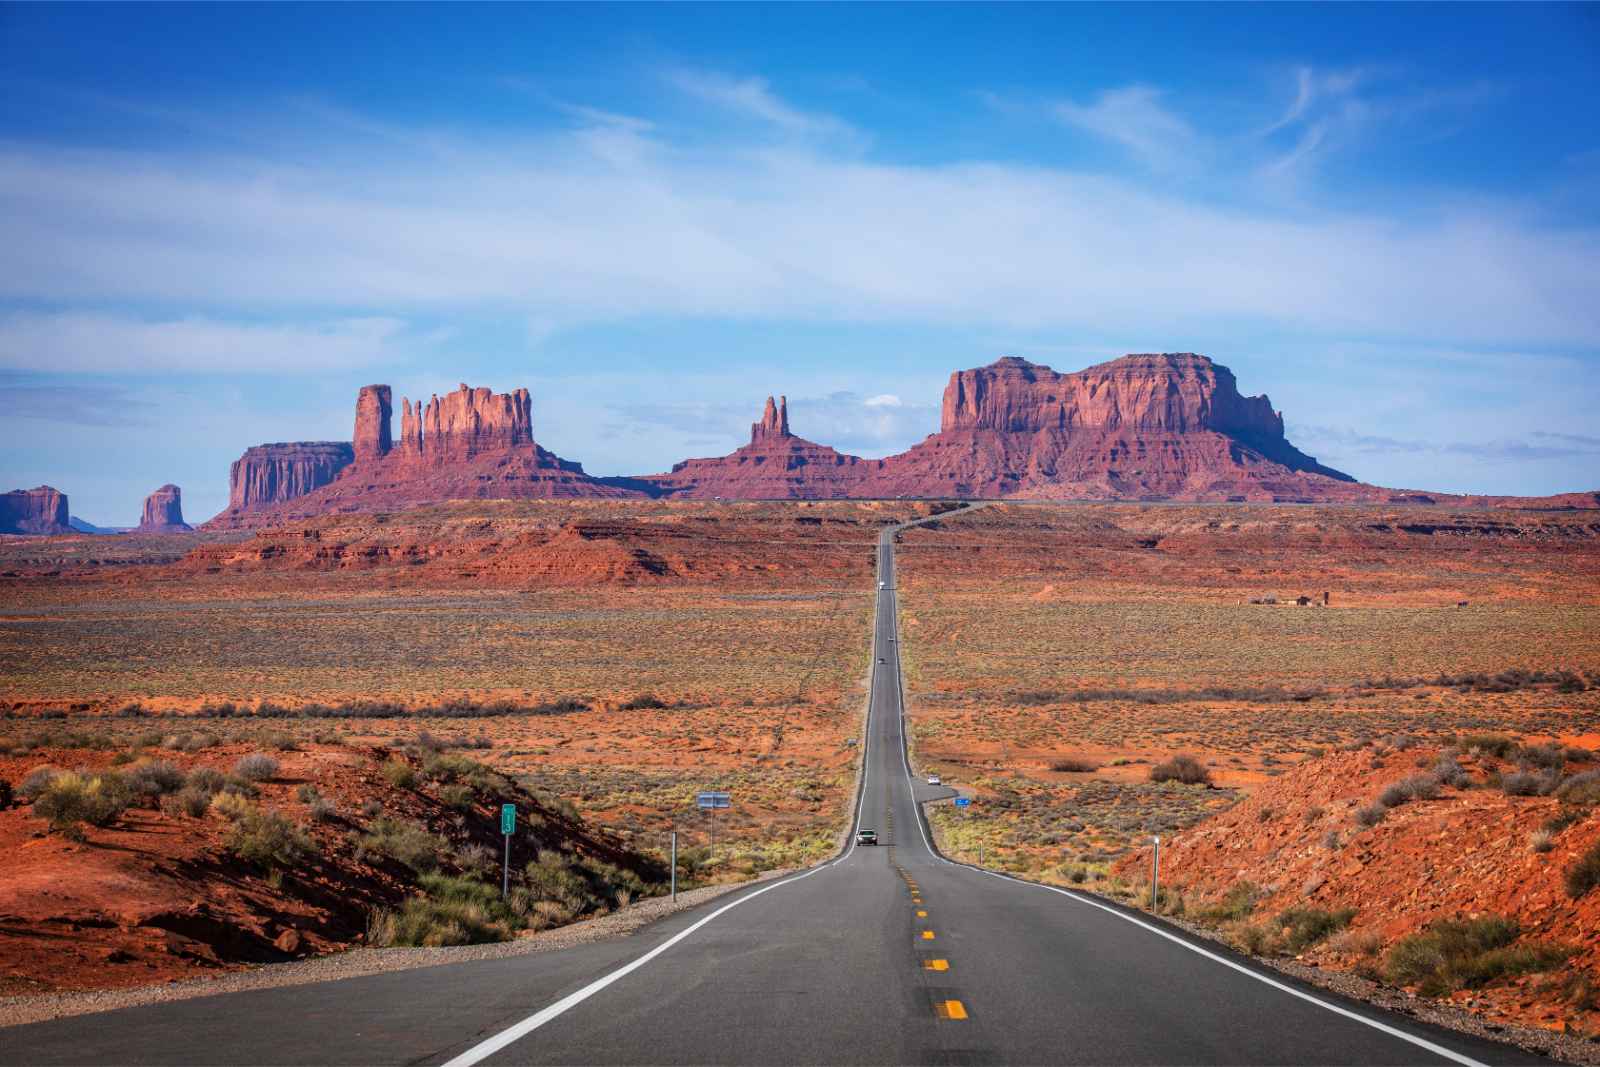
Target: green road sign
(508, 818)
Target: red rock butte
(468, 444)
(1169, 426)
(34, 511)
(163, 512)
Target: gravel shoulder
(17, 1011)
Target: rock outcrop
(470, 444)
(272, 474)
(466, 423)
(372, 440)
(163, 511)
(34, 511)
(1144, 427)
(775, 465)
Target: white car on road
(933, 779)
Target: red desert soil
(1468, 853)
(157, 896)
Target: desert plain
(1089, 675)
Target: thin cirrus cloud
(1137, 118)
(753, 97)
(109, 344)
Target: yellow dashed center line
(922, 914)
(936, 965)
(927, 935)
(951, 1009)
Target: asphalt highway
(885, 955)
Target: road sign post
(674, 866)
(709, 803)
(508, 826)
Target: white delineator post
(1155, 872)
(674, 866)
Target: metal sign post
(508, 826)
(674, 866)
(709, 803)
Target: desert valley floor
(1419, 750)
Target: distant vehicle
(883, 585)
(866, 837)
(882, 660)
(933, 779)
(850, 741)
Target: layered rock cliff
(271, 474)
(34, 511)
(163, 511)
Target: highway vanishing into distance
(884, 955)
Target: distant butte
(163, 512)
(1153, 426)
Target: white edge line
(1420, 1042)
(485, 1049)
(1424, 1043)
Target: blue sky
(221, 221)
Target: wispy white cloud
(1137, 118)
(753, 98)
(105, 344)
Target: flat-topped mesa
(774, 424)
(163, 511)
(1176, 392)
(34, 511)
(465, 423)
(373, 411)
(271, 474)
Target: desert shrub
(454, 911)
(1371, 815)
(1464, 954)
(37, 781)
(554, 877)
(206, 779)
(644, 702)
(475, 857)
(1561, 820)
(405, 842)
(256, 767)
(457, 797)
(1236, 904)
(447, 768)
(321, 809)
(186, 801)
(1253, 939)
(1181, 768)
(1304, 927)
(231, 806)
(400, 774)
(240, 787)
(1488, 744)
(1582, 789)
(72, 799)
(1330, 840)
(1417, 787)
(1074, 765)
(283, 742)
(306, 793)
(1524, 784)
(1357, 943)
(1541, 841)
(153, 779)
(1450, 772)
(267, 839)
(371, 809)
(1549, 756)
(1583, 874)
